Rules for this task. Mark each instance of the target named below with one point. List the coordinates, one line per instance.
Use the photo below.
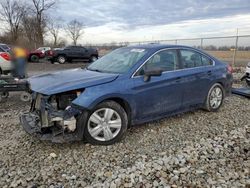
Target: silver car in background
(5, 62)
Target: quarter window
(206, 61)
(191, 59)
(166, 60)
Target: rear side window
(191, 59)
(1, 50)
(206, 61)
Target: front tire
(5, 95)
(215, 98)
(92, 59)
(61, 59)
(106, 124)
(34, 58)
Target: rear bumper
(49, 57)
(6, 66)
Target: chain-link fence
(232, 49)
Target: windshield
(118, 61)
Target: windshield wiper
(96, 70)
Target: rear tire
(215, 98)
(106, 124)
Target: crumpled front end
(53, 118)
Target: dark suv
(72, 53)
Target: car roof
(1, 44)
(157, 46)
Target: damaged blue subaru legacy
(131, 85)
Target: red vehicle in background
(36, 55)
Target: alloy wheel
(216, 97)
(104, 124)
(61, 60)
(93, 59)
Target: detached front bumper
(30, 124)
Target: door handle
(178, 79)
(209, 73)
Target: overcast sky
(135, 20)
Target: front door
(161, 94)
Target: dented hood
(58, 82)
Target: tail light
(6, 56)
(50, 53)
(229, 69)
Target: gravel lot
(195, 149)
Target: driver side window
(166, 60)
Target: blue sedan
(129, 86)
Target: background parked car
(5, 62)
(5, 47)
(36, 55)
(72, 53)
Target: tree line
(28, 23)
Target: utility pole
(236, 47)
(201, 43)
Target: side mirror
(149, 73)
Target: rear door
(197, 74)
(162, 94)
(72, 52)
(84, 53)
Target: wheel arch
(124, 104)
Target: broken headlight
(63, 100)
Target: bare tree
(75, 30)
(29, 28)
(54, 29)
(40, 7)
(12, 12)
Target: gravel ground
(195, 149)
